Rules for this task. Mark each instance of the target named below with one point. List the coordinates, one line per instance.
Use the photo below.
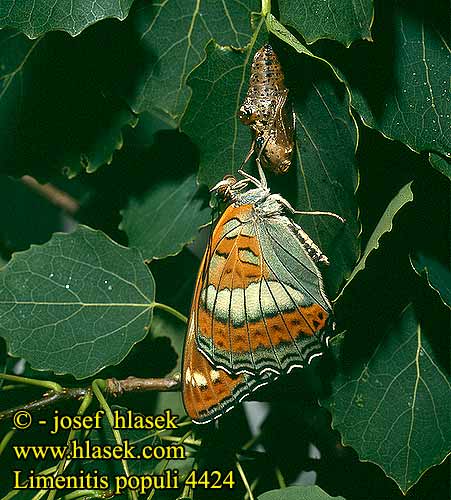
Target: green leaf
(53, 116)
(323, 175)
(163, 220)
(278, 29)
(170, 54)
(337, 20)
(75, 304)
(442, 165)
(392, 405)
(326, 175)
(385, 225)
(211, 120)
(401, 85)
(298, 493)
(40, 16)
(436, 274)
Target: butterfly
(259, 307)
(268, 112)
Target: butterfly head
(233, 190)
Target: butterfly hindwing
(261, 306)
(208, 392)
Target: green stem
(253, 486)
(62, 464)
(40, 495)
(31, 381)
(280, 478)
(96, 385)
(244, 479)
(176, 439)
(266, 7)
(84, 494)
(171, 310)
(6, 439)
(44, 472)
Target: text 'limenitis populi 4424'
(259, 307)
(267, 110)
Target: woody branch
(113, 387)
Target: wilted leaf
(172, 53)
(436, 274)
(165, 218)
(75, 304)
(401, 86)
(342, 21)
(59, 104)
(298, 493)
(385, 225)
(393, 405)
(38, 17)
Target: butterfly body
(259, 308)
(267, 110)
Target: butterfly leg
(248, 156)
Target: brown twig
(52, 194)
(134, 384)
(113, 387)
(49, 398)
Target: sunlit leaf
(38, 17)
(337, 20)
(392, 405)
(211, 120)
(75, 304)
(385, 225)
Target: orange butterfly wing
(246, 327)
